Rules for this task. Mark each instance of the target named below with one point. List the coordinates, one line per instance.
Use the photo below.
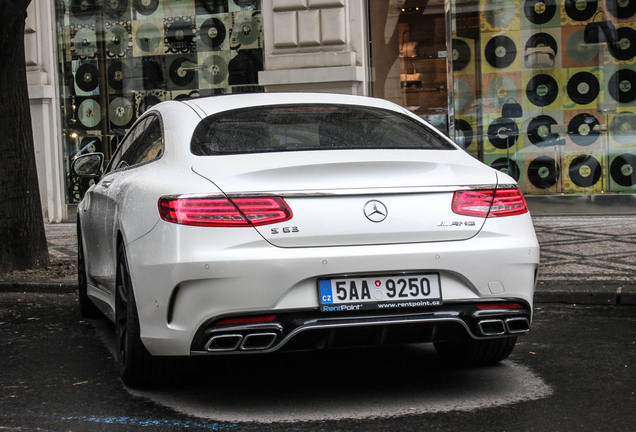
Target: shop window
(119, 58)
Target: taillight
(250, 320)
(489, 203)
(234, 212)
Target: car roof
(215, 104)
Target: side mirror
(88, 165)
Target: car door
(99, 220)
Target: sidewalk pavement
(584, 260)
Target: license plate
(384, 292)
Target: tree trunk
(22, 239)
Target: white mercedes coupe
(249, 224)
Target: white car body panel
(186, 276)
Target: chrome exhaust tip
(258, 341)
(226, 342)
(493, 327)
(517, 325)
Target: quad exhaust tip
(497, 327)
(234, 342)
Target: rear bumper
(188, 277)
(311, 330)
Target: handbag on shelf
(408, 49)
(411, 80)
(600, 31)
(539, 57)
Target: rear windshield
(316, 127)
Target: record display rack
(119, 58)
(577, 131)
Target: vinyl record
(246, 30)
(145, 7)
(542, 39)
(585, 171)
(83, 10)
(212, 32)
(543, 172)
(623, 128)
(623, 169)
(117, 40)
(578, 50)
(117, 73)
(146, 103)
(461, 54)
(85, 42)
(463, 133)
(90, 144)
(181, 71)
(539, 131)
(583, 88)
(503, 133)
(625, 46)
(507, 166)
(180, 36)
(153, 75)
(120, 111)
(115, 8)
(499, 90)
(580, 10)
(500, 52)
(178, 7)
(463, 94)
(581, 129)
(86, 77)
(622, 86)
(539, 11)
(214, 69)
(148, 37)
(621, 9)
(89, 113)
(542, 90)
(500, 13)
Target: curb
(38, 287)
(570, 293)
(586, 294)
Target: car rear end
(312, 238)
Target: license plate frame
(395, 291)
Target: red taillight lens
(489, 203)
(250, 320)
(234, 212)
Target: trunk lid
(357, 197)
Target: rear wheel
(476, 352)
(137, 367)
(86, 305)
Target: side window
(150, 147)
(131, 139)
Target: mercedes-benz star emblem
(375, 211)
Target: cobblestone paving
(587, 249)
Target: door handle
(106, 184)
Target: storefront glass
(117, 58)
(544, 90)
(408, 56)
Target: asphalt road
(575, 371)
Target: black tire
(86, 306)
(476, 352)
(137, 367)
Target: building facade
(544, 90)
